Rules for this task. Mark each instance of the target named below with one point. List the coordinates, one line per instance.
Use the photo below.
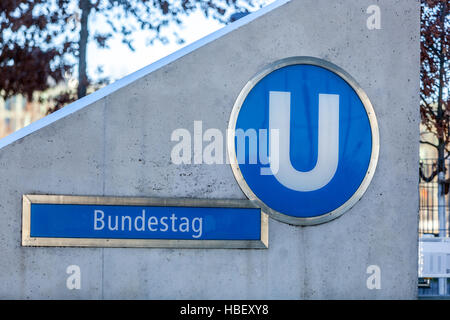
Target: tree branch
(429, 143)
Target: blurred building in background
(16, 112)
(434, 241)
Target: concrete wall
(120, 146)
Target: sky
(118, 60)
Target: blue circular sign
(305, 142)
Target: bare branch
(429, 143)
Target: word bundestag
(149, 224)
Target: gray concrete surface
(120, 146)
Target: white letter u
(328, 143)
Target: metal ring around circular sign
(373, 126)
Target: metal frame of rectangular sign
(27, 240)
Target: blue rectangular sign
(69, 217)
(139, 222)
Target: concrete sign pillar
(126, 140)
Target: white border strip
(103, 92)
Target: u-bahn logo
(317, 145)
